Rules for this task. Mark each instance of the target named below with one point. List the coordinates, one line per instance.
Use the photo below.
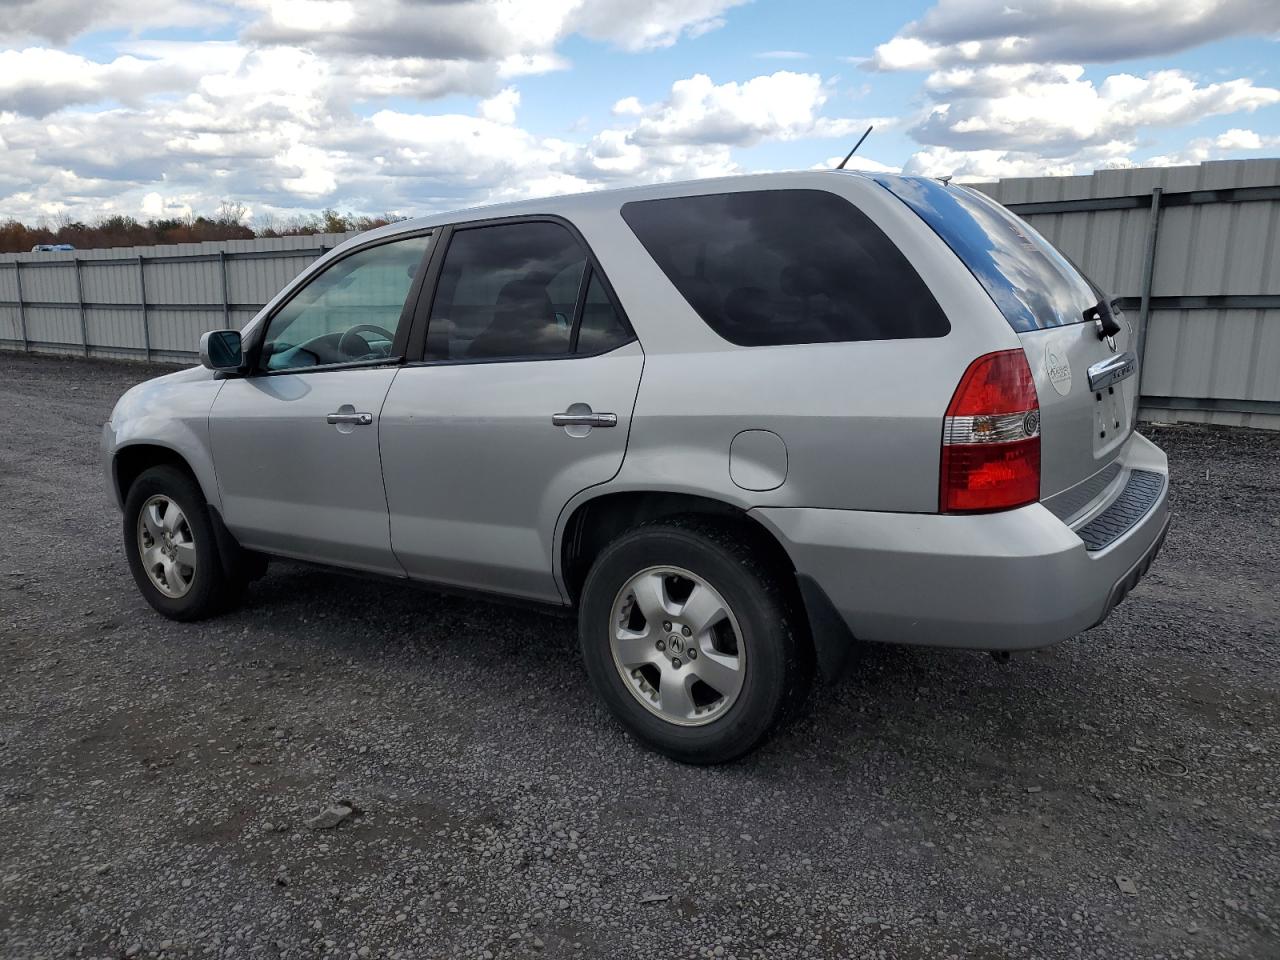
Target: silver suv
(736, 425)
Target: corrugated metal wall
(1211, 279)
(1193, 251)
(144, 302)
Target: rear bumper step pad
(1139, 495)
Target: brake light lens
(991, 437)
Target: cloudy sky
(160, 107)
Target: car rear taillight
(991, 437)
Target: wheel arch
(595, 522)
(131, 460)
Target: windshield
(1032, 283)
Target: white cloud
(278, 117)
(429, 49)
(1056, 108)
(779, 106)
(1068, 31)
(995, 164)
(501, 108)
(37, 80)
(157, 207)
(298, 111)
(60, 20)
(642, 26)
(477, 30)
(471, 30)
(152, 205)
(1232, 142)
(311, 172)
(687, 134)
(628, 107)
(273, 128)
(1006, 92)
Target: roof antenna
(855, 148)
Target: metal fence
(1194, 253)
(144, 302)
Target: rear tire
(172, 549)
(698, 693)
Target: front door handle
(584, 419)
(358, 419)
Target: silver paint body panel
(1014, 580)
(171, 411)
(462, 479)
(476, 473)
(292, 483)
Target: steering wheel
(347, 344)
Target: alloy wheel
(677, 645)
(167, 546)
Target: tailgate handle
(1111, 371)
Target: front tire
(692, 636)
(171, 546)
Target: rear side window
(1033, 284)
(769, 267)
(506, 291)
(520, 290)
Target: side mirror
(221, 350)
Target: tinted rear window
(507, 290)
(775, 267)
(1033, 284)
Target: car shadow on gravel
(889, 695)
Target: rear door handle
(584, 419)
(359, 419)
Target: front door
(523, 399)
(295, 443)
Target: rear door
(1045, 299)
(521, 398)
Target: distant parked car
(734, 424)
(51, 247)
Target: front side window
(769, 267)
(348, 313)
(509, 290)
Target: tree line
(231, 222)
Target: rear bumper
(1015, 580)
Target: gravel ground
(1115, 796)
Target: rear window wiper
(1101, 315)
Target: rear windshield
(769, 267)
(1032, 283)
